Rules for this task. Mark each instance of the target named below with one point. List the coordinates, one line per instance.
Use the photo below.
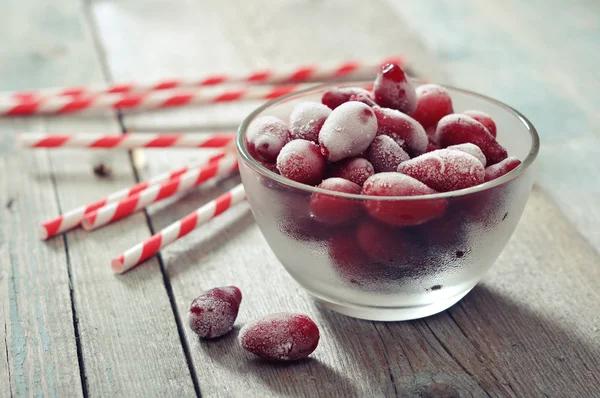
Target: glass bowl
(372, 270)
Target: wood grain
(445, 354)
(128, 338)
(516, 52)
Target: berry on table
(213, 313)
(280, 337)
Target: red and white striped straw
(16, 106)
(72, 218)
(116, 210)
(295, 74)
(173, 232)
(126, 141)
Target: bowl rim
(265, 172)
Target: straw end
(117, 265)
(43, 232)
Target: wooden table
(69, 327)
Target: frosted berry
(213, 313)
(401, 212)
(364, 98)
(471, 149)
(306, 120)
(433, 103)
(458, 129)
(280, 337)
(406, 131)
(331, 209)
(484, 119)
(385, 154)
(393, 89)
(386, 245)
(301, 161)
(266, 136)
(445, 170)
(499, 169)
(348, 131)
(356, 170)
(337, 96)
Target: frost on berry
(280, 337)
(331, 209)
(306, 120)
(355, 169)
(348, 131)
(266, 136)
(214, 312)
(393, 89)
(403, 129)
(385, 154)
(302, 161)
(499, 169)
(337, 96)
(433, 103)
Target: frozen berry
(301, 161)
(385, 154)
(306, 120)
(213, 313)
(337, 96)
(403, 212)
(406, 131)
(266, 136)
(356, 170)
(445, 170)
(393, 89)
(331, 209)
(499, 169)
(351, 263)
(280, 337)
(432, 146)
(484, 119)
(433, 103)
(348, 131)
(364, 98)
(471, 149)
(458, 129)
(386, 245)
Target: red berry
(306, 120)
(213, 313)
(351, 263)
(484, 119)
(356, 170)
(385, 154)
(301, 161)
(432, 146)
(401, 212)
(280, 337)
(457, 129)
(364, 98)
(337, 96)
(331, 209)
(433, 103)
(386, 245)
(392, 89)
(471, 149)
(266, 136)
(445, 170)
(499, 169)
(406, 131)
(348, 131)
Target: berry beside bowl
(380, 215)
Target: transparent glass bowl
(367, 269)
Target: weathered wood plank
(447, 353)
(517, 52)
(128, 338)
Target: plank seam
(387, 362)
(510, 387)
(80, 360)
(8, 360)
(403, 352)
(464, 369)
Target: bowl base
(389, 314)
